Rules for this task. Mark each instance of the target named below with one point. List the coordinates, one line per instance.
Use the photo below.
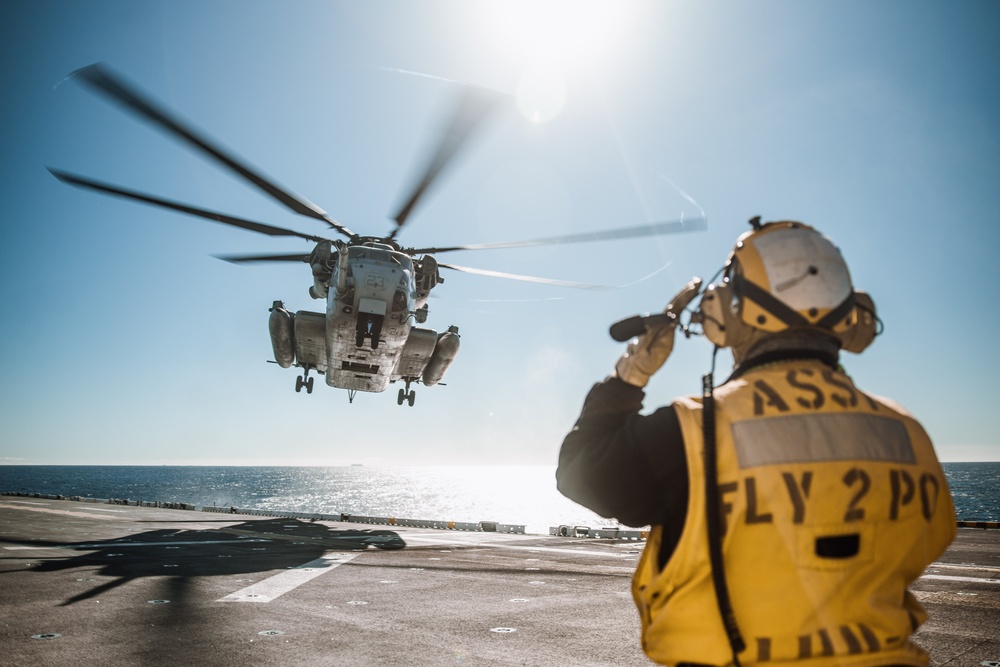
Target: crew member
(789, 510)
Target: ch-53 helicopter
(375, 289)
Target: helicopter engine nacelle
(281, 325)
(427, 273)
(444, 353)
(322, 261)
(426, 278)
(343, 266)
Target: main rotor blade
(529, 279)
(651, 229)
(103, 80)
(473, 107)
(214, 216)
(239, 259)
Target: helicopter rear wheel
(406, 396)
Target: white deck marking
(283, 582)
(471, 541)
(63, 512)
(101, 509)
(47, 504)
(993, 573)
(946, 577)
(969, 566)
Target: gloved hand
(647, 353)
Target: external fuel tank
(444, 353)
(281, 325)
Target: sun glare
(541, 93)
(549, 39)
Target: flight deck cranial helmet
(784, 276)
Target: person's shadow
(178, 556)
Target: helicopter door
(371, 316)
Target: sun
(549, 40)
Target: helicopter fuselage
(368, 316)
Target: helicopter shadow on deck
(180, 556)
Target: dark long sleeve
(621, 464)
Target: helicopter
(375, 289)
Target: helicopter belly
(363, 368)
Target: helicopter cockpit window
(399, 301)
(367, 252)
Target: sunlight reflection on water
(523, 495)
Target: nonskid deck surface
(109, 584)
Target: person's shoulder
(892, 405)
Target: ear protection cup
(714, 313)
(721, 319)
(865, 325)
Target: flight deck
(90, 584)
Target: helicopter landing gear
(408, 395)
(304, 381)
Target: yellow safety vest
(833, 502)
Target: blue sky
(126, 342)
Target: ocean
(524, 495)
